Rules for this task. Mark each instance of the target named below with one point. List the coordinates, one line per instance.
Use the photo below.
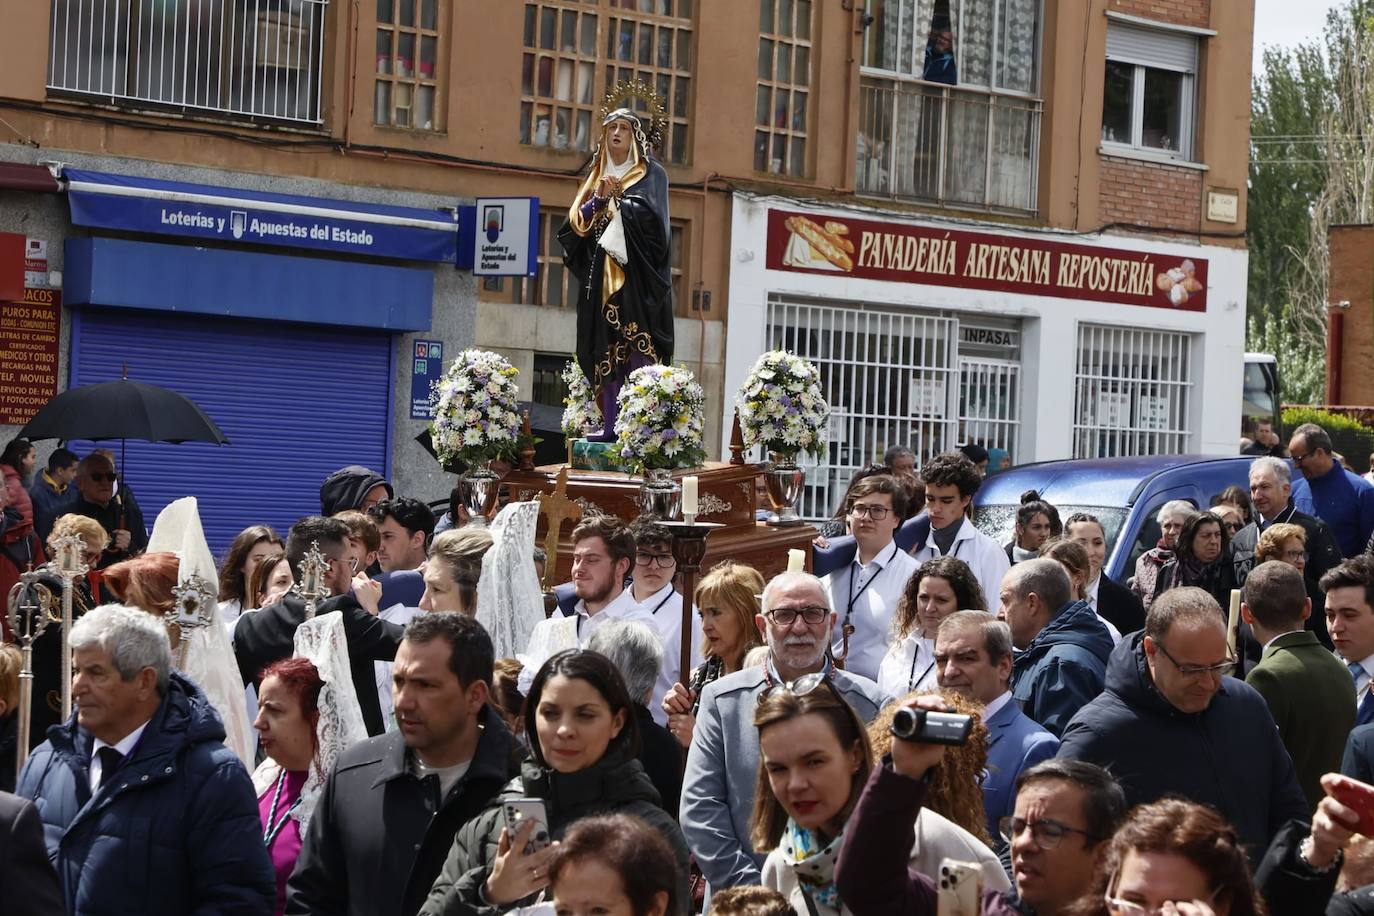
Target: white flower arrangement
(476, 419)
(782, 407)
(661, 419)
(581, 415)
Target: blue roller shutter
(296, 401)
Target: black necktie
(110, 759)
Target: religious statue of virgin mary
(616, 240)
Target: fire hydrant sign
(29, 333)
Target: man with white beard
(797, 621)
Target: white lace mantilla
(322, 640)
(510, 603)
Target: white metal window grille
(990, 404)
(1133, 389)
(890, 378)
(972, 143)
(247, 59)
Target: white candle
(689, 496)
(796, 560)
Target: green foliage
(1302, 369)
(1349, 437)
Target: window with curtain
(408, 47)
(784, 87)
(949, 106)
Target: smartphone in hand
(517, 811)
(1359, 797)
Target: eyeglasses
(803, 685)
(661, 560)
(1220, 670)
(1045, 833)
(1119, 907)
(877, 513)
(103, 477)
(352, 562)
(786, 616)
(1233, 527)
(1295, 556)
(1299, 459)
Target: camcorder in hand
(928, 727)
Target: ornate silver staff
(30, 609)
(312, 587)
(195, 609)
(69, 562)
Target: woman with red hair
(288, 717)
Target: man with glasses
(1343, 499)
(951, 480)
(652, 589)
(1066, 812)
(723, 761)
(865, 593)
(268, 634)
(1171, 722)
(1306, 687)
(97, 484)
(1271, 494)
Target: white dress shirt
(867, 595)
(664, 609)
(1092, 603)
(557, 633)
(1362, 681)
(908, 665)
(125, 746)
(984, 556)
(996, 705)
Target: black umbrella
(123, 409)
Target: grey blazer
(722, 768)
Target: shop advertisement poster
(30, 331)
(847, 247)
(427, 365)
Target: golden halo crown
(650, 108)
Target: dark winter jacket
(346, 487)
(1217, 579)
(1229, 756)
(1062, 668)
(872, 874)
(175, 829)
(380, 835)
(1289, 885)
(111, 516)
(49, 503)
(268, 634)
(613, 785)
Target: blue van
(1124, 493)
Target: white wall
(1050, 325)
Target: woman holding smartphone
(814, 761)
(583, 742)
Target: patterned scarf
(813, 864)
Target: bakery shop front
(1036, 344)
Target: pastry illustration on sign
(818, 246)
(1178, 283)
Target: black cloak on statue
(637, 318)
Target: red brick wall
(1150, 194)
(1180, 12)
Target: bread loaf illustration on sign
(1179, 283)
(823, 240)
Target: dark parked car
(1124, 493)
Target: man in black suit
(1271, 489)
(267, 635)
(26, 875)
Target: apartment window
(949, 106)
(1133, 389)
(575, 49)
(252, 59)
(784, 87)
(408, 50)
(1148, 98)
(556, 286)
(547, 387)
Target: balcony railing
(240, 59)
(948, 144)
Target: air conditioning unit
(281, 40)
